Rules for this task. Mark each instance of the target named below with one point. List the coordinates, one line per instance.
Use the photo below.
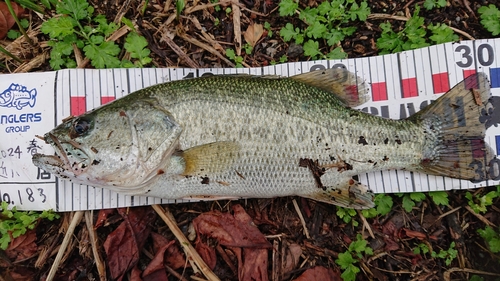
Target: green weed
(267, 26)
(490, 18)
(439, 197)
(491, 237)
(347, 214)
(282, 59)
(348, 260)
(421, 249)
(479, 203)
(79, 27)
(328, 22)
(232, 56)
(247, 48)
(14, 34)
(383, 205)
(448, 255)
(409, 200)
(413, 36)
(15, 223)
(431, 4)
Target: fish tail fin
(455, 126)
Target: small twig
(446, 275)
(77, 217)
(448, 213)
(186, 245)
(101, 268)
(166, 7)
(205, 47)
(32, 63)
(3, 50)
(123, 10)
(226, 258)
(175, 273)
(197, 278)
(204, 6)
(297, 209)
(445, 214)
(480, 217)
(276, 265)
(224, 2)
(119, 33)
(495, 208)
(366, 224)
(376, 16)
(392, 17)
(237, 26)
(179, 52)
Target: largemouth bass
(245, 136)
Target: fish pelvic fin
(349, 194)
(351, 89)
(454, 127)
(209, 158)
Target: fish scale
(244, 136)
(264, 158)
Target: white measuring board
(400, 85)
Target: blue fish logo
(17, 96)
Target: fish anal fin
(339, 81)
(349, 194)
(209, 158)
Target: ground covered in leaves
(265, 239)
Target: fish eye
(81, 126)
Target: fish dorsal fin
(339, 81)
(210, 158)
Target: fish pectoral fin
(339, 81)
(209, 158)
(348, 194)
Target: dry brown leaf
(123, 245)
(292, 256)
(6, 19)
(156, 269)
(253, 33)
(19, 273)
(319, 273)
(236, 231)
(173, 255)
(135, 274)
(417, 234)
(207, 253)
(231, 230)
(102, 217)
(22, 247)
(254, 265)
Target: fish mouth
(70, 159)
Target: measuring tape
(401, 84)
